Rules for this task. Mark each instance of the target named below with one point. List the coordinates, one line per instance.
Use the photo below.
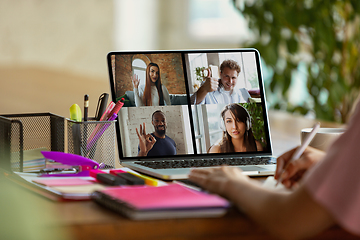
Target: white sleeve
(166, 96)
(245, 94)
(138, 93)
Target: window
(217, 20)
(196, 60)
(139, 68)
(248, 76)
(207, 122)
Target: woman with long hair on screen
(237, 131)
(153, 93)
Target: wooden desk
(87, 220)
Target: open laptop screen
(186, 103)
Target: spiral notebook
(169, 201)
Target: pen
(101, 106)
(86, 113)
(107, 111)
(86, 107)
(301, 149)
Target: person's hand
(211, 84)
(135, 80)
(146, 141)
(292, 172)
(216, 179)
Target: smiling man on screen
(223, 90)
(156, 143)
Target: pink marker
(106, 114)
(117, 108)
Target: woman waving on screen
(153, 93)
(237, 132)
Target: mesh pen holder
(93, 139)
(24, 136)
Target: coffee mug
(323, 138)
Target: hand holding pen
(292, 164)
(297, 168)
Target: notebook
(166, 108)
(170, 201)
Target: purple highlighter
(94, 140)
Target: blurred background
(53, 52)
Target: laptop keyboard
(189, 163)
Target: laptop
(183, 128)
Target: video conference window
(226, 128)
(176, 130)
(225, 103)
(149, 79)
(223, 77)
(155, 118)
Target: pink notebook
(170, 201)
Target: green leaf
(316, 26)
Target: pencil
(300, 150)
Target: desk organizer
(93, 139)
(24, 136)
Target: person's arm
(294, 170)
(138, 93)
(246, 95)
(166, 96)
(210, 85)
(285, 215)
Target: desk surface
(87, 220)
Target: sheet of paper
(83, 189)
(52, 182)
(270, 183)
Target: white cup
(323, 138)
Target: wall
(52, 53)
(71, 35)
